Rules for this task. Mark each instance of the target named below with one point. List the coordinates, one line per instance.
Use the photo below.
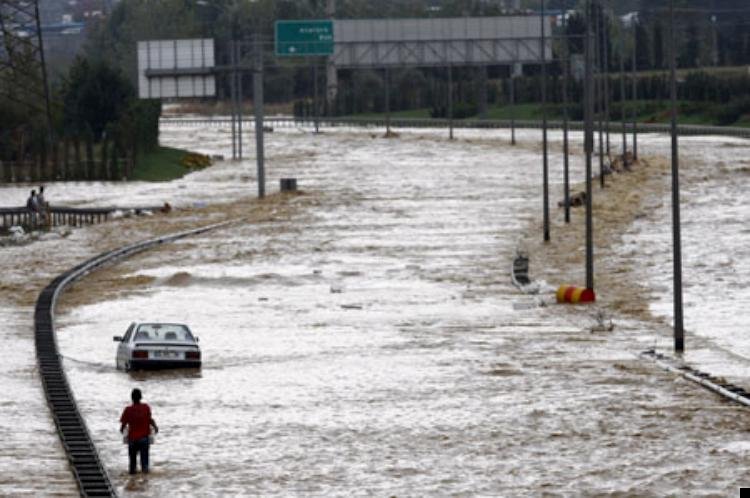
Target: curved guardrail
(87, 468)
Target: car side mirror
(117, 338)
(197, 339)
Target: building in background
(64, 27)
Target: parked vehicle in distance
(157, 345)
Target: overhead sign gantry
(304, 38)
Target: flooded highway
(363, 336)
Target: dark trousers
(135, 447)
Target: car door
(123, 349)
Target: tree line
(99, 127)
(703, 40)
(96, 127)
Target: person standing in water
(43, 206)
(137, 418)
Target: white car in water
(157, 345)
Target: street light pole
(233, 95)
(634, 96)
(600, 90)
(258, 105)
(545, 154)
(387, 78)
(512, 91)
(238, 76)
(605, 62)
(679, 331)
(450, 101)
(566, 147)
(316, 104)
(589, 143)
(623, 101)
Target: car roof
(160, 330)
(161, 323)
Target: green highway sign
(301, 38)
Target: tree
(643, 50)
(135, 20)
(576, 31)
(94, 95)
(382, 9)
(738, 48)
(690, 54)
(658, 45)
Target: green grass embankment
(161, 165)
(413, 113)
(690, 113)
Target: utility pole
(589, 143)
(316, 102)
(566, 148)
(233, 95)
(512, 91)
(635, 91)
(238, 75)
(544, 127)
(450, 101)
(679, 330)
(482, 77)
(22, 62)
(332, 80)
(45, 82)
(258, 106)
(387, 102)
(605, 62)
(600, 89)
(623, 101)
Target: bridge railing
(62, 215)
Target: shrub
(193, 160)
(731, 113)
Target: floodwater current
(363, 337)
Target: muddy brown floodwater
(364, 337)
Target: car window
(163, 332)
(128, 333)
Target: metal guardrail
(519, 273)
(87, 468)
(710, 382)
(290, 122)
(60, 215)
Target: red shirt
(138, 418)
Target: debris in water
(603, 323)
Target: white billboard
(439, 42)
(176, 68)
